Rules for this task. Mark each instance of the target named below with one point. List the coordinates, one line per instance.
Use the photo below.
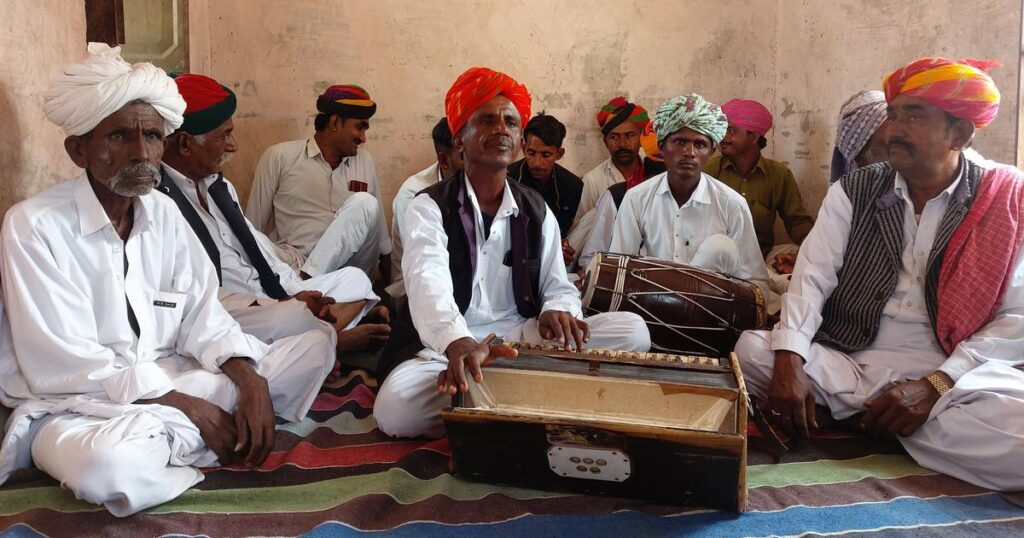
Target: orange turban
(962, 89)
(477, 86)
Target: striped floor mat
(335, 474)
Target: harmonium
(661, 427)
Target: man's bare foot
(377, 314)
(339, 315)
(365, 337)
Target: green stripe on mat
(342, 423)
(407, 489)
(813, 473)
(397, 483)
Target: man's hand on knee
(315, 301)
(465, 358)
(254, 412)
(790, 397)
(902, 409)
(216, 426)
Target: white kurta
(968, 434)
(240, 283)
(601, 230)
(296, 198)
(66, 289)
(408, 403)
(713, 229)
(412, 185)
(595, 183)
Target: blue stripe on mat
(797, 520)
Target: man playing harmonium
(685, 215)
(482, 255)
(905, 315)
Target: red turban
(962, 89)
(208, 103)
(749, 115)
(477, 86)
(619, 111)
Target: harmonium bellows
(655, 426)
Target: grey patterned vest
(872, 261)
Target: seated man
(542, 147)
(482, 256)
(448, 163)
(685, 215)
(126, 373)
(860, 141)
(906, 311)
(621, 124)
(319, 198)
(257, 288)
(600, 239)
(768, 186)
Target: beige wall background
(802, 58)
(36, 38)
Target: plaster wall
(36, 38)
(802, 58)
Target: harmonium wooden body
(654, 426)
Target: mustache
(899, 142)
(224, 158)
(623, 152)
(139, 169)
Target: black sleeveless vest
(524, 256)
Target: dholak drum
(688, 310)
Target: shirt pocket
(168, 309)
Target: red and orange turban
(962, 89)
(477, 86)
(619, 111)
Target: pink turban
(749, 115)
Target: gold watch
(940, 384)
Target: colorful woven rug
(335, 474)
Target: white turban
(86, 93)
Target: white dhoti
(352, 239)
(973, 433)
(718, 253)
(132, 457)
(280, 319)
(409, 405)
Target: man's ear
(963, 132)
(561, 153)
(74, 145)
(335, 123)
(182, 143)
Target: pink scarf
(978, 263)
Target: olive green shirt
(769, 188)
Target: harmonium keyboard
(655, 426)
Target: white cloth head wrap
(859, 118)
(84, 94)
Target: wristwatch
(940, 384)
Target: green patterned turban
(694, 112)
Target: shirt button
(910, 303)
(918, 279)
